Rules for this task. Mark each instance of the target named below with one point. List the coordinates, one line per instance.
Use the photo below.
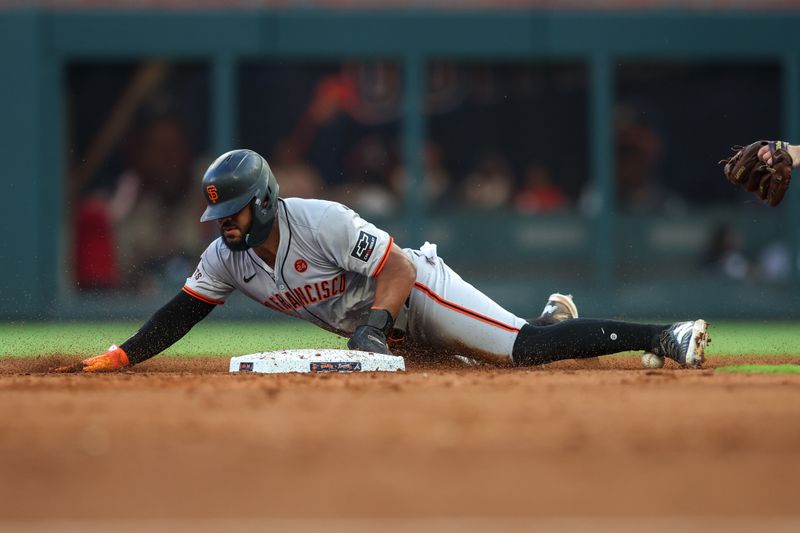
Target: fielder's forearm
(167, 325)
(794, 151)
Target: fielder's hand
(371, 337)
(763, 168)
(114, 359)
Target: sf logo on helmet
(211, 191)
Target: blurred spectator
(436, 180)
(155, 208)
(367, 169)
(539, 194)
(724, 254)
(378, 89)
(132, 129)
(297, 178)
(775, 263)
(638, 150)
(490, 185)
(322, 121)
(343, 108)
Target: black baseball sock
(581, 337)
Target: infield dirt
(181, 438)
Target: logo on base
(341, 366)
(245, 367)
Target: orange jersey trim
(200, 297)
(384, 258)
(463, 310)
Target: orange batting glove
(114, 359)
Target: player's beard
(240, 244)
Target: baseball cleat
(685, 342)
(559, 307)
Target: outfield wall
(612, 260)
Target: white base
(311, 360)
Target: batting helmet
(236, 179)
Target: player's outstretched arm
(394, 284)
(165, 328)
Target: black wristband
(380, 319)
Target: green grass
(225, 338)
(217, 338)
(754, 338)
(761, 369)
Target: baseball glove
(768, 181)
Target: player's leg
(581, 338)
(684, 342)
(559, 307)
(449, 313)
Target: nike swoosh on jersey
(247, 280)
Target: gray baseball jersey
(327, 261)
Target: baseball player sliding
(321, 262)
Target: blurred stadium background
(544, 145)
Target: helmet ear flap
(263, 219)
(261, 204)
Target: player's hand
(371, 336)
(765, 154)
(763, 168)
(114, 359)
(369, 339)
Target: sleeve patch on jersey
(364, 247)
